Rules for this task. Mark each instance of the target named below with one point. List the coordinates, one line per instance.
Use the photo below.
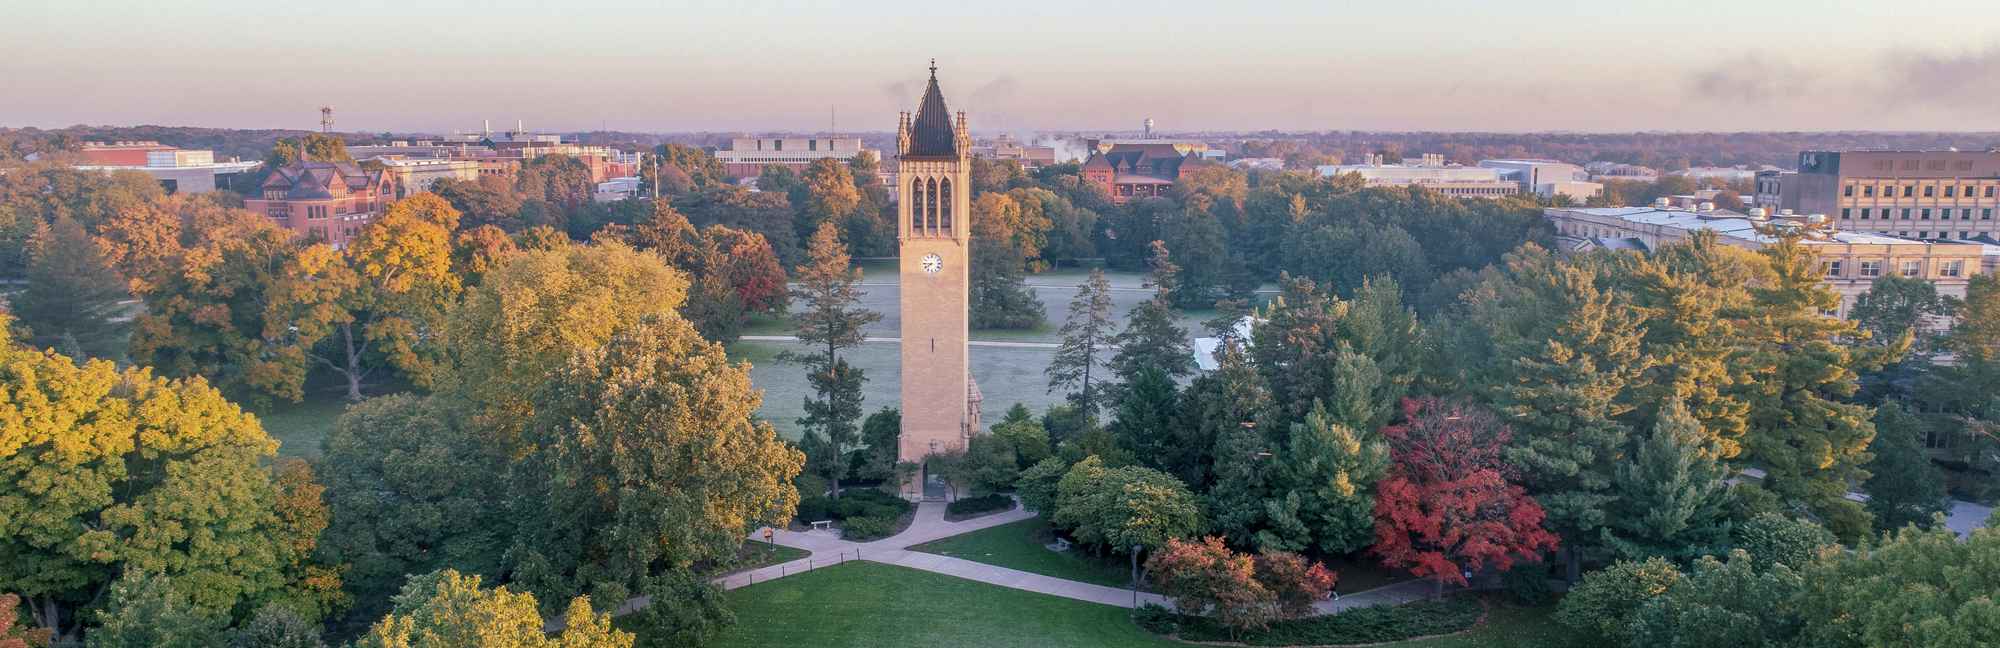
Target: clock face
(932, 264)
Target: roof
(931, 135)
(309, 179)
(1741, 228)
(1156, 160)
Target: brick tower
(934, 232)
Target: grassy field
(1018, 545)
(300, 426)
(868, 605)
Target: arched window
(931, 206)
(944, 206)
(916, 199)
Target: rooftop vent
(1662, 202)
(1706, 206)
(1760, 213)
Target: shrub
(981, 504)
(1773, 538)
(867, 528)
(1603, 604)
(1379, 624)
(813, 509)
(1157, 619)
(852, 504)
(1528, 583)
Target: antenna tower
(326, 119)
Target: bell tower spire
(934, 227)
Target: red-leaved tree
(1240, 592)
(1447, 505)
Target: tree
(104, 470)
(1810, 442)
(1124, 509)
(1145, 422)
(386, 295)
(208, 315)
(318, 147)
(1897, 307)
(881, 441)
(682, 610)
(147, 611)
(445, 609)
(989, 465)
(1903, 486)
(1446, 506)
(1327, 473)
(830, 317)
(1358, 357)
(1603, 605)
(1773, 539)
(1086, 332)
(646, 453)
(1151, 338)
(1671, 500)
(1025, 436)
(12, 636)
(411, 490)
(1000, 298)
(830, 194)
(276, 627)
(1723, 604)
(1215, 405)
(72, 296)
(1037, 486)
(530, 315)
(1241, 592)
(1917, 588)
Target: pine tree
(1694, 296)
(1904, 487)
(1810, 442)
(1152, 338)
(1672, 502)
(1086, 332)
(830, 318)
(1358, 356)
(71, 293)
(1215, 404)
(999, 295)
(1331, 470)
(1145, 423)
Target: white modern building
(1547, 178)
(1458, 181)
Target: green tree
(1695, 297)
(1214, 405)
(881, 440)
(72, 296)
(830, 318)
(1671, 500)
(999, 295)
(1124, 508)
(1327, 472)
(531, 314)
(1152, 338)
(1723, 604)
(1903, 486)
(989, 465)
(1086, 333)
(1774, 539)
(1037, 485)
(411, 489)
(1024, 435)
(647, 453)
(207, 313)
(1602, 606)
(1917, 588)
(318, 147)
(104, 471)
(444, 609)
(276, 627)
(1145, 420)
(830, 193)
(682, 611)
(1897, 307)
(146, 611)
(1358, 357)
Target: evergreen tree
(71, 294)
(1330, 471)
(1086, 332)
(831, 319)
(1694, 296)
(1671, 502)
(881, 433)
(1215, 404)
(1152, 338)
(1897, 307)
(1358, 357)
(999, 294)
(1810, 442)
(1903, 486)
(1145, 422)
(148, 611)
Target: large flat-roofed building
(1919, 194)
(328, 200)
(177, 170)
(746, 157)
(1456, 181)
(1547, 178)
(1005, 148)
(1851, 260)
(409, 177)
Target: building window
(1929, 191)
(1986, 214)
(931, 204)
(1868, 191)
(944, 205)
(1926, 215)
(1924, 234)
(812, 145)
(1913, 268)
(1846, 214)
(1871, 268)
(1951, 191)
(1864, 213)
(1909, 190)
(1832, 268)
(1952, 269)
(917, 206)
(1989, 191)
(1906, 213)
(777, 145)
(1965, 214)
(1847, 191)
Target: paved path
(1962, 517)
(977, 343)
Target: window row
(1869, 213)
(1872, 268)
(1910, 191)
(930, 206)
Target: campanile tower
(934, 232)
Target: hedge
(867, 528)
(852, 504)
(1378, 624)
(981, 504)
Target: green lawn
(871, 605)
(300, 426)
(868, 605)
(1018, 545)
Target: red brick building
(329, 200)
(121, 153)
(1128, 171)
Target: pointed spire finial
(933, 69)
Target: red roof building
(328, 200)
(1128, 171)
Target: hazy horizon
(1545, 66)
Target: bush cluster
(1157, 619)
(866, 528)
(981, 504)
(852, 504)
(1382, 623)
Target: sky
(1016, 66)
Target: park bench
(823, 525)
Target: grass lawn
(864, 604)
(1018, 545)
(300, 426)
(871, 605)
(757, 553)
